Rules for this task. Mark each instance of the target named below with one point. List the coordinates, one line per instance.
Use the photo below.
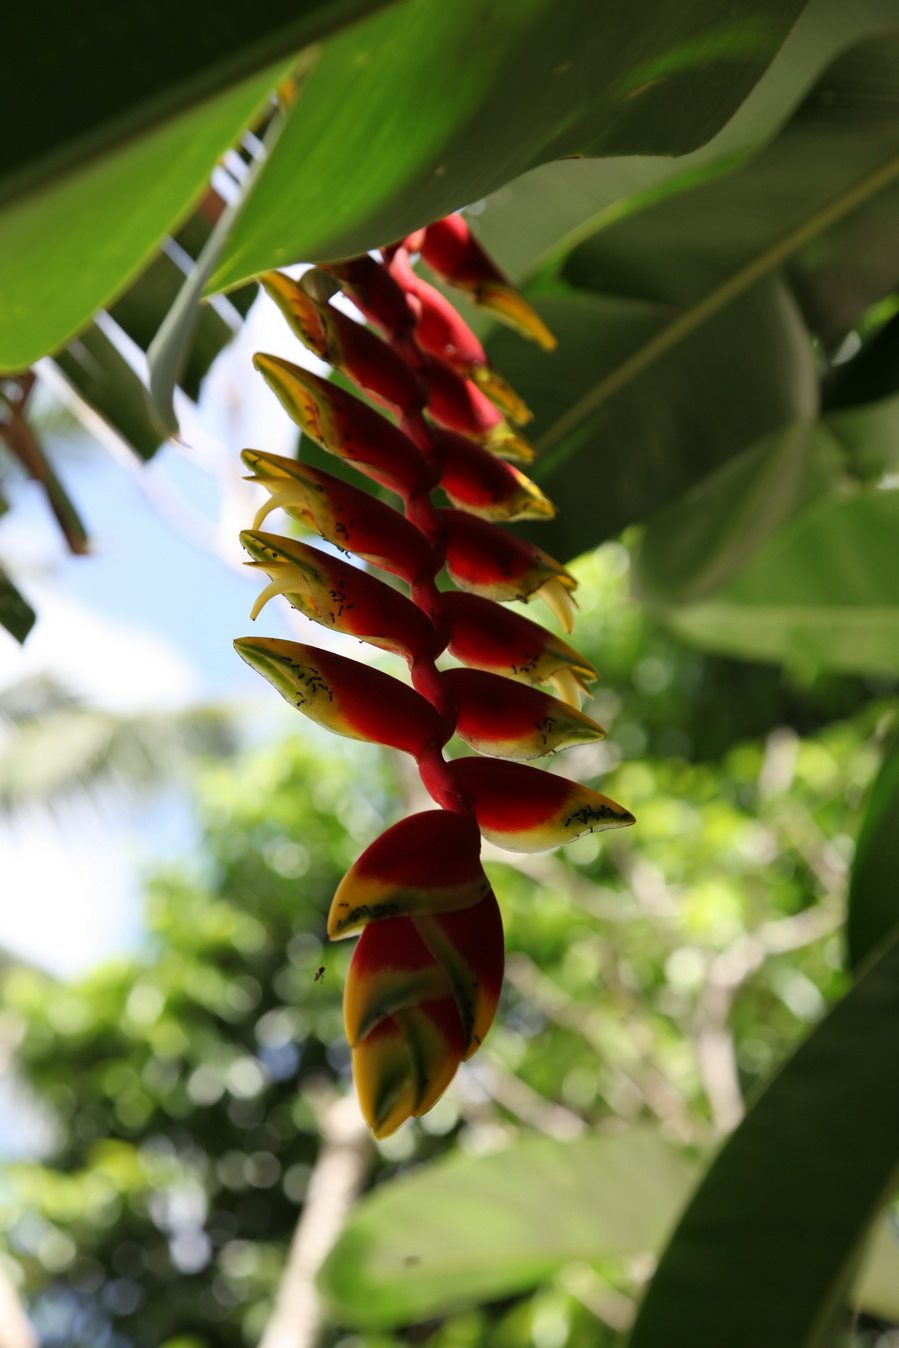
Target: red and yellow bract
(426, 973)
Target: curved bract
(425, 977)
(344, 695)
(428, 863)
(337, 595)
(476, 481)
(510, 720)
(340, 513)
(455, 254)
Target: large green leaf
(468, 1230)
(547, 211)
(698, 542)
(72, 245)
(698, 253)
(472, 1229)
(426, 106)
(823, 591)
(766, 1249)
(724, 386)
(84, 83)
(637, 422)
(838, 156)
(784, 552)
(874, 888)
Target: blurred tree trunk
(337, 1179)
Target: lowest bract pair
(426, 973)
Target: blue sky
(146, 621)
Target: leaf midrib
(711, 303)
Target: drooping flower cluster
(425, 977)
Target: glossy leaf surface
(72, 245)
(810, 1166)
(506, 1221)
(542, 215)
(822, 593)
(134, 73)
(529, 94)
(611, 462)
(873, 893)
(701, 349)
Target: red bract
(460, 405)
(346, 427)
(510, 720)
(366, 359)
(341, 513)
(485, 635)
(527, 810)
(421, 994)
(489, 561)
(486, 486)
(337, 595)
(455, 255)
(428, 863)
(374, 291)
(443, 333)
(343, 695)
(424, 980)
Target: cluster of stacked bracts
(425, 976)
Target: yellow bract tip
(501, 393)
(506, 443)
(509, 305)
(568, 688)
(558, 598)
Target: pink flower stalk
(425, 977)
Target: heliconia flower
(460, 405)
(489, 561)
(346, 427)
(510, 720)
(425, 978)
(375, 293)
(343, 695)
(341, 513)
(483, 485)
(407, 1039)
(427, 863)
(442, 332)
(450, 248)
(525, 809)
(485, 635)
(368, 360)
(338, 595)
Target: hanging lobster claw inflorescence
(425, 977)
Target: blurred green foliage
(653, 977)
